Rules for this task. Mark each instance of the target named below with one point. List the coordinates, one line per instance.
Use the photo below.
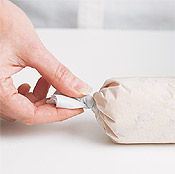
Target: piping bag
(131, 110)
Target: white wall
(118, 14)
(140, 14)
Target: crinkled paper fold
(137, 110)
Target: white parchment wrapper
(131, 110)
(138, 110)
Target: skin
(20, 47)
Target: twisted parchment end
(62, 101)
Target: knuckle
(62, 73)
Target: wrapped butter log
(131, 110)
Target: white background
(79, 145)
(118, 14)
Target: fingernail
(87, 90)
(82, 87)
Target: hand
(21, 47)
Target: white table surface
(79, 145)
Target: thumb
(56, 73)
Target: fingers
(28, 113)
(56, 73)
(40, 91)
(41, 102)
(24, 89)
(48, 113)
(17, 106)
